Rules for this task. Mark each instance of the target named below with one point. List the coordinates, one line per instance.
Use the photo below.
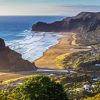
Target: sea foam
(33, 44)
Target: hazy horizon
(47, 7)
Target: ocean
(16, 31)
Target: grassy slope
(74, 59)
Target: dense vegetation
(97, 97)
(55, 87)
(74, 86)
(36, 88)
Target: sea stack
(12, 61)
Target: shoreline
(47, 60)
(66, 44)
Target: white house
(87, 87)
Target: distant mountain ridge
(82, 23)
(12, 61)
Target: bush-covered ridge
(55, 87)
(36, 88)
(74, 60)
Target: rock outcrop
(82, 23)
(12, 61)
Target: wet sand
(49, 56)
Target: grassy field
(14, 76)
(8, 76)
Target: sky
(48, 7)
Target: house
(97, 65)
(87, 87)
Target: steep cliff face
(12, 61)
(81, 23)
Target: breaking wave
(32, 44)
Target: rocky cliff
(82, 23)
(12, 61)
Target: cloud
(71, 10)
(51, 9)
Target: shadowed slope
(12, 61)
(82, 23)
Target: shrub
(38, 88)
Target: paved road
(40, 71)
(47, 71)
(7, 76)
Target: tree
(38, 88)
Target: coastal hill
(12, 61)
(82, 23)
(80, 33)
